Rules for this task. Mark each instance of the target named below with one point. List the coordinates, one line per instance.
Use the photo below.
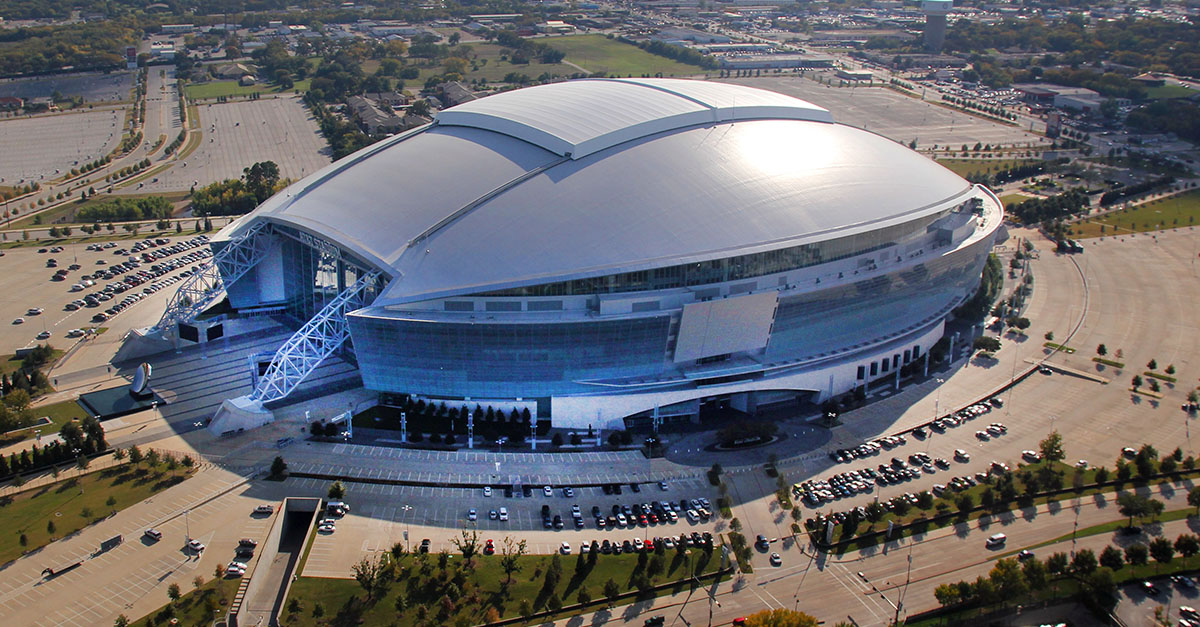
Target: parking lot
(27, 284)
(93, 87)
(236, 135)
(893, 115)
(382, 515)
(52, 144)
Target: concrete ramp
(239, 414)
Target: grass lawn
(75, 503)
(424, 584)
(967, 167)
(1012, 199)
(1178, 210)
(197, 606)
(52, 217)
(1169, 91)
(1108, 527)
(12, 363)
(59, 415)
(597, 53)
(214, 89)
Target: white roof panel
(579, 118)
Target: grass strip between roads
(43, 514)
(1108, 527)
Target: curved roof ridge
(577, 118)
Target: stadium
(608, 252)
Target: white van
(503, 513)
(997, 540)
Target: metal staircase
(315, 341)
(205, 287)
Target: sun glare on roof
(782, 148)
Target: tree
(278, 468)
(611, 590)
(1110, 557)
(1152, 364)
(1137, 381)
(135, 455)
(1084, 562)
(986, 343)
(1056, 564)
(1162, 550)
(1170, 369)
(510, 557)
(1008, 578)
(468, 544)
(584, 597)
(173, 592)
(965, 503)
(122, 621)
(1137, 554)
(198, 581)
(1051, 447)
(336, 491)
(373, 576)
(780, 618)
(1101, 350)
(947, 594)
(1133, 505)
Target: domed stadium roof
(602, 176)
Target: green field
(1177, 211)
(597, 53)
(214, 89)
(75, 503)
(198, 606)
(1012, 199)
(424, 584)
(59, 415)
(593, 53)
(967, 167)
(12, 363)
(1170, 91)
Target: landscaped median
(409, 589)
(40, 515)
(1027, 486)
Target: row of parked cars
(874, 447)
(637, 545)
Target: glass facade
(490, 360)
(731, 268)
(505, 360)
(316, 272)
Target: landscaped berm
(38, 516)
(445, 589)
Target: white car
(487, 490)
(565, 548)
(43, 335)
(34, 311)
(961, 455)
(547, 491)
(19, 321)
(503, 514)
(196, 545)
(326, 528)
(472, 514)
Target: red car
(489, 547)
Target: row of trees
(79, 440)
(1064, 205)
(126, 210)
(1122, 193)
